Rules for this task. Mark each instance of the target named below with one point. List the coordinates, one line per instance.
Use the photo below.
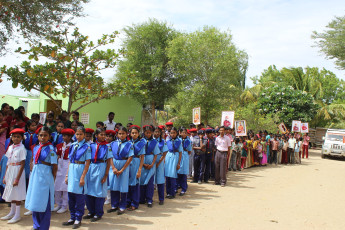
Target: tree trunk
(153, 113)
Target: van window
(334, 137)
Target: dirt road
(307, 196)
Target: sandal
(131, 208)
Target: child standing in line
(97, 176)
(79, 156)
(159, 175)
(109, 138)
(62, 151)
(297, 150)
(30, 141)
(88, 135)
(135, 168)
(149, 167)
(244, 152)
(236, 150)
(264, 151)
(57, 136)
(172, 162)
(40, 196)
(184, 169)
(259, 149)
(15, 189)
(123, 152)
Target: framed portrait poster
(196, 116)
(240, 128)
(228, 119)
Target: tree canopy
(72, 69)
(35, 19)
(332, 41)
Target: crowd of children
(60, 165)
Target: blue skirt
(159, 175)
(145, 173)
(94, 177)
(184, 166)
(119, 183)
(171, 161)
(133, 170)
(40, 186)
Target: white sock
(13, 209)
(17, 215)
(76, 222)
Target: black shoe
(142, 202)
(149, 205)
(216, 183)
(171, 197)
(120, 212)
(182, 193)
(75, 226)
(88, 216)
(205, 181)
(95, 218)
(161, 202)
(112, 210)
(68, 223)
(194, 181)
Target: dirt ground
(306, 196)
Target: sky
(272, 32)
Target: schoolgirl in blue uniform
(31, 139)
(149, 167)
(110, 136)
(79, 156)
(57, 137)
(40, 195)
(97, 176)
(159, 174)
(172, 162)
(123, 152)
(135, 168)
(184, 169)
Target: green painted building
(125, 109)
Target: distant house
(125, 109)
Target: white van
(334, 143)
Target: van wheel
(323, 156)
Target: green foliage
(72, 69)
(332, 41)
(212, 68)
(146, 63)
(287, 103)
(35, 19)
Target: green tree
(287, 103)
(35, 19)
(332, 41)
(213, 69)
(146, 62)
(72, 69)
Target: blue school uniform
(79, 153)
(3, 164)
(121, 150)
(96, 191)
(31, 139)
(159, 175)
(171, 160)
(40, 194)
(58, 138)
(187, 147)
(151, 149)
(134, 188)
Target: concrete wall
(33, 104)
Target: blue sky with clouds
(270, 31)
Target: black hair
(19, 114)
(28, 124)
(120, 124)
(81, 128)
(11, 108)
(237, 140)
(122, 128)
(76, 113)
(21, 107)
(183, 129)
(2, 113)
(100, 123)
(35, 115)
(134, 127)
(50, 115)
(157, 128)
(45, 129)
(64, 111)
(148, 127)
(111, 113)
(221, 127)
(60, 122)
(175, 129)
(129, 124)
(227, 128)
(99, 130)
(4, 105)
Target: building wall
(125, 109)
(33, 104)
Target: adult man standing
(223, 144)
(110, 124)
(291, 149)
